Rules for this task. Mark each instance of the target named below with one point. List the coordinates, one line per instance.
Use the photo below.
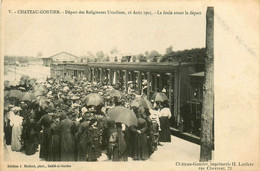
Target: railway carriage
(179, 81)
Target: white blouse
(165, 112)
(155, 116)
(16, 120)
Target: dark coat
(94, 148)
(55, 145)
(140, 151)
(165, 133)
(7, 129)
(45, 122)
(68, 130)
(82, 141)
(119, 147)
(30, 136)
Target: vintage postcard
(129, 85)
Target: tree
(154, 55)
(134, 58)
(83, 58)
(169, 50)
(188, 55)
(100, 56)
(114, 50)
(146, 53)
(128, 58)
(142, 58)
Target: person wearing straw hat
(130, 89)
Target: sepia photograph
(89, 83)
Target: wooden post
(126, 80)
(175, 95)
(155, 83)
(95, 74)
(148, 84)
(101, 76)
(206, 146)
(170, 90)
(139, 82)
(114, 77)
(110, 77)
(92, 75)
(179, 96)
(160, 82)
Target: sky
(26, 35)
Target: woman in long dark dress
(7, 128)
(30, 133)
(82, 138)
(94, 148)
(76, 123)
(45, 123)
(165, 115)
(54, 151)
(108, 130)
(145, 115)
(140, 148)
(118, 144)
(68, 129)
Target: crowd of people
(70, 121)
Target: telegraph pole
(208, 92)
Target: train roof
(133, 66)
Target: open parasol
(94, 99)
(40, 87)
(16, 94)
(28, 96)
(159, 97)
(115, 93)
(123, 115)
(24, 78)
(138, 102)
